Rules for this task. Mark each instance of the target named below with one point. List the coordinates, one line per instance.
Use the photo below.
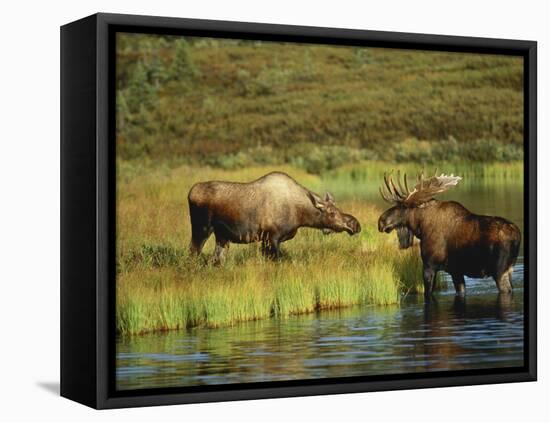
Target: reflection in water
(481, 330)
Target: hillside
(231, 103)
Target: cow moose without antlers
(452, 239)
(269, 210)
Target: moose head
(405, 201)
(332, 219)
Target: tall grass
(161, 299)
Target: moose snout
(384, 226)
(352, 225)
(356, 227)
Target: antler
(393, 194)
(423, 191)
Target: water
(482, 330)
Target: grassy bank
(159, 287)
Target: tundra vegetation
(335, 119)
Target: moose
(269, 210)
(452, 238)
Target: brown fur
(457, 241)
(270, 209)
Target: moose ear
(317, 202)
(329, 198)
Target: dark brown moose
(269, 210)
(451, 238)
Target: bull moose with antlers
(452, 238)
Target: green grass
(167, 298)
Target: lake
(482, 330)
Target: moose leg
(503, 270)
(222, 245)
(504, 281)
(429, 280)
(270, 248)
(460, 286)
(197, 242)
(200, 229)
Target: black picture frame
(88, 209)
